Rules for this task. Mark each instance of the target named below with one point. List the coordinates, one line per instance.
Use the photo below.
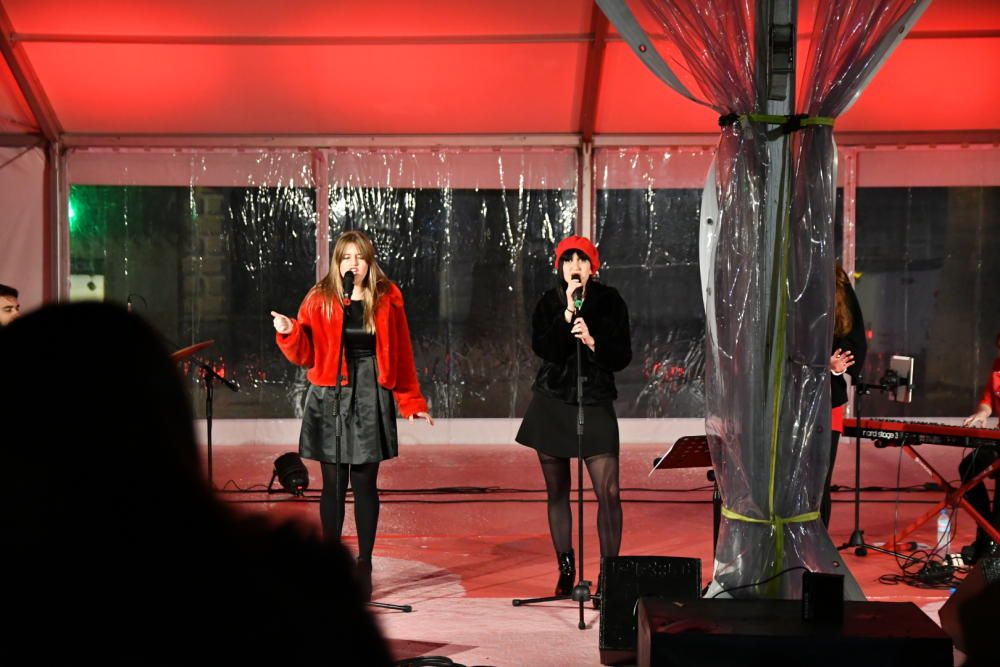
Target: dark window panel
(649, 249)
(471, 264)
(924, 256)
(199, 264)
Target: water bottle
(943, 546)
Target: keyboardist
(978, 497)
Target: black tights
(603, 470)
(826, 504)
(978, 496)
(364, 482)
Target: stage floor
(460, 556)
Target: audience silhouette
(117, 549)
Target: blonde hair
(843, 317)
(374, 285)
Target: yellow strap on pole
(779, 523)
(791, 123)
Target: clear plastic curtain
(740, 299)
(769, 293)
(468, 235)
(646, 201)
(850, 41)
(206, 243)
(203, 244)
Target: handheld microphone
(348, 280)
(577, 293)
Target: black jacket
(854, 341)
(606, 316)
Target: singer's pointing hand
(282, 324)
(581, 331)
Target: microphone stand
(209, 375)
(857, 539)
(339, 432)
(581, 592)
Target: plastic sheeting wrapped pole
(769, 328)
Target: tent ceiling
(391, 67)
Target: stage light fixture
(292, 473)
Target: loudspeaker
(763, 633)
(822, 597)
(628, 578)
(969, 615)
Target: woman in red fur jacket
(377, 366)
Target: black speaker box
(822, 597)
(763, 633)
(970, 614)
(628, 578)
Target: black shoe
(979, 550)
(567, 572)
(363, 572)
(969, 554)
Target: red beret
(584, 246)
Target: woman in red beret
(585, 310)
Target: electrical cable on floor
(928, 571)
(253, 488)
(923, 568)
(762, 581)
(913, 488)
(463, 490)
(432, 661)
(231, 487)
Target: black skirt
(368, 415)
(549, 426)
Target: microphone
(128, 303)
(348, 280)
(577, 293)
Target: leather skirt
(367, 413)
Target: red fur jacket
(315, 338)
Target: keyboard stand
(954, 497)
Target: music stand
(898, 383)
(691, 451)
(186, 352)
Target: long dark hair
(843, 317)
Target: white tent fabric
(22, 229)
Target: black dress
(549, 424)
(853, 341)
(368, 411)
